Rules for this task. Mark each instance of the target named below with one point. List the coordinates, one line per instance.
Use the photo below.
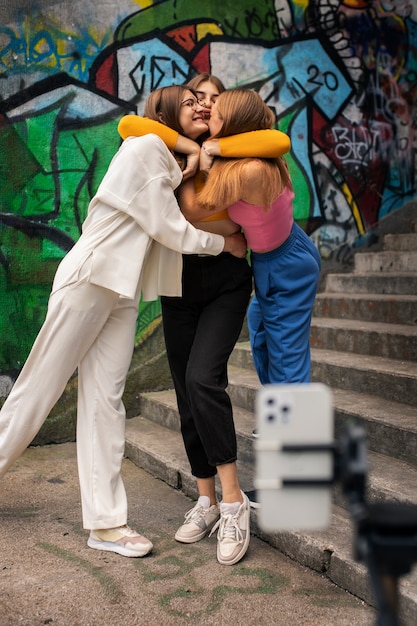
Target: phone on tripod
(294, 456)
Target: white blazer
(134, 230)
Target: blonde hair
(242, 110)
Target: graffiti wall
(340, 75)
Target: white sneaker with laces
(122, 540)
(233, 531)
(198, 521)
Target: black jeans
(201, 329)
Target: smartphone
(294, 456)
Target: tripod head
(293, 469)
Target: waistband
(209, 257)
(282, 249)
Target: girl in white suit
(131, 244)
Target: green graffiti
(47, 186)
(257, 580)
(109, 585)
(20, 165)
(253, 20)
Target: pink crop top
(265, 230)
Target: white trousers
(91, 328)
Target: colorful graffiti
(340, 75)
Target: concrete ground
(48, 575)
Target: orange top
(267, 144)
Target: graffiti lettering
(342, 84)
(232, 28)
(48, 49)
(348, 148)
(397, 7)
(329, 79)
(256, 25)
(11, 49)
(276, 24)
(361, 145)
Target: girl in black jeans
(201, 329)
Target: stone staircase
(364, 347)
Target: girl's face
(191, 117)
(215, 122)
(207, 94)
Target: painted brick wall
(341, 76)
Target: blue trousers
(279, 315)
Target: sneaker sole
(190, 539)
(196, 538)
(109, 546)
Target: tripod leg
(385, 588)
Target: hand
(191, 168)
(206, 159)
(212, 147)
(209, 150)
(191, 149)
(236, 245)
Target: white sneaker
(198, 521)
(122, 540)
(233, 532)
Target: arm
(267, 144)
(234, 243)
(189, 208)
(136, 126)
(217, 221)
(141, 177)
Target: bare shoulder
(252, 167)
(252, 177)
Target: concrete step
(386, 261)
(390, 433)
(161, 408)
(404, 283)
(160, 451)
(374, 375)
(391, 426)
(403, 242)
(394, 309)
(390, 379)
(391, 480)
(393, 341)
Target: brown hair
(164, 105)
(195, 82)
(242, 110)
